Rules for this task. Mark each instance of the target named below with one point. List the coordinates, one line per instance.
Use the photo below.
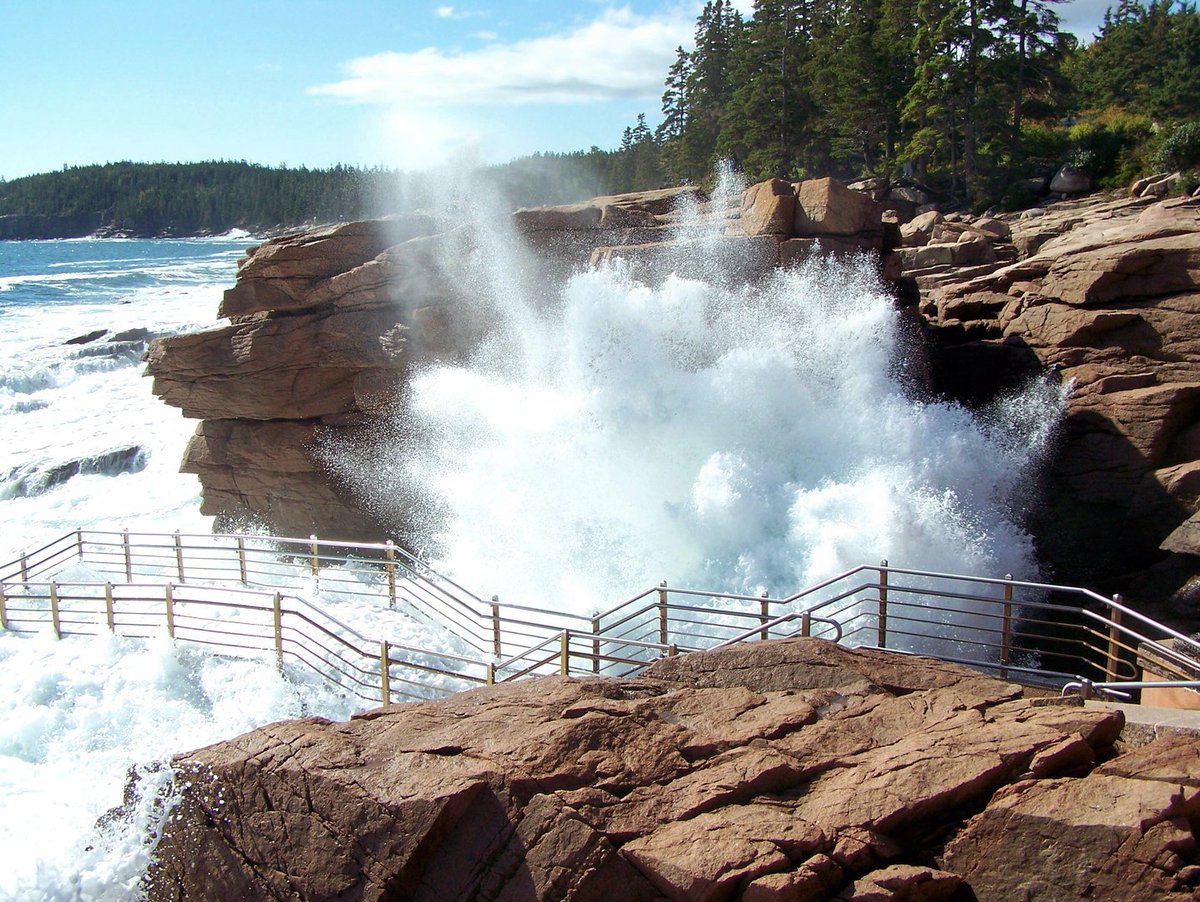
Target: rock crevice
(695, 781)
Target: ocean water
(626, 430)
(86, 444)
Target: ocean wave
(28, 380)
(30, 480)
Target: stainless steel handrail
(866, 605)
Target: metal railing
(1028, 631)
(243, 622)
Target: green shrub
(1179, 147)
(1111, 146)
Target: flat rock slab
(792, 769)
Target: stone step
(1145, 723)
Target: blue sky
(318, 82)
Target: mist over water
(718, 435)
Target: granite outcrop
(323, 327)
(1104, 293)
(782, 770)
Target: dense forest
(968, 96)
(198, 198)
(973, 100)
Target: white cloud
(444, 12)
(619, 55)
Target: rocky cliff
(1105, 292)
(783, 770)
(1099, 293)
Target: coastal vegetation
(975, 101)
(969, 97)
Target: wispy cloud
(618, 55)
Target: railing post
(170, 594)
(128, 556)
(564, 653)
(764, 612)
(3, 609)
(109, 614)
(24, 567)
(806, 624)
(79, 542)
(496, 625)
(385, 678)
(391, 572)
(672, 650)
(179, 554)
(1114, 645)
(241, 547)
(595, 645)
(314, 555)
(662, 613)
(491, 674)
(277, 616)
(1006, 627)
(883, 600)
(54, 610)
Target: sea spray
(697, 429)
(82, 715)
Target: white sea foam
(712, 434)
(79, 714)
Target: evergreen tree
(708, 88)
(769, 107)
(675, 111)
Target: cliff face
(776, 770)
(324, 326)
(1106, 292)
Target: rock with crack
(789, 769)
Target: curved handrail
(973, 617)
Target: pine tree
(708, 87)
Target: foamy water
(85, 407)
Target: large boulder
(773, 770)
(768, 208)
(827, 207)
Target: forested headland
(975, 101)
(183, 199)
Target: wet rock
(1106, 293)
(86, 338)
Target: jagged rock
(257, 473)
(791, 769)
(1125, 831)
(266, 368)
(903, 882)
(280, 274)
(826, 207)
(1108, 296)
(86, 338)
(768, 208)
